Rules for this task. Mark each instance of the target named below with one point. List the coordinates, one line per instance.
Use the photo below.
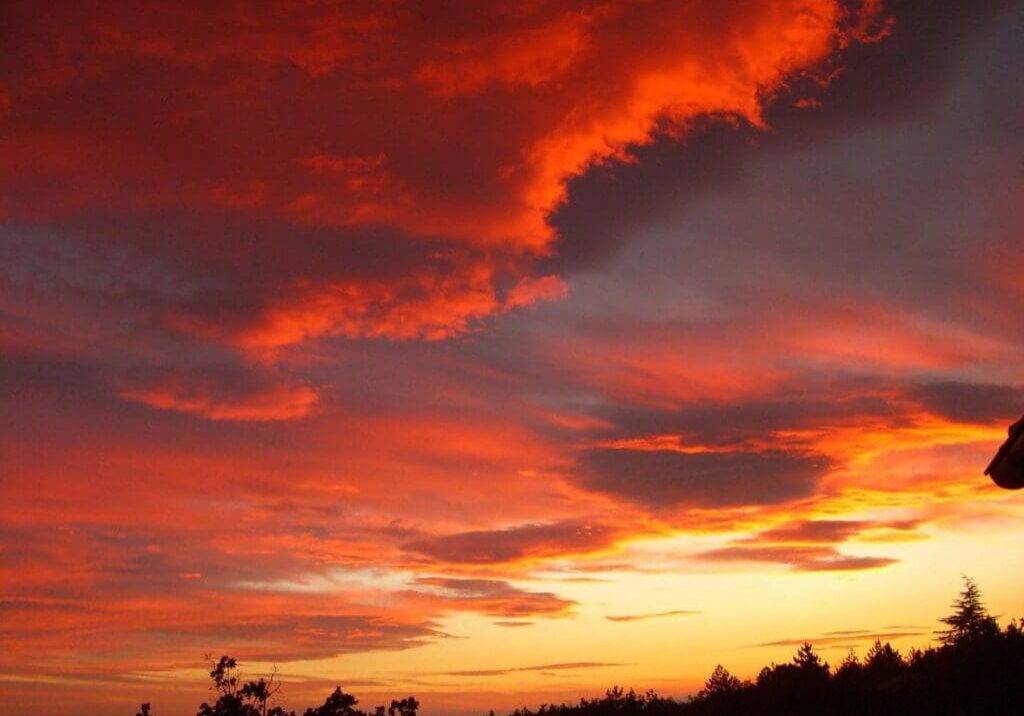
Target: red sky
(498, 352)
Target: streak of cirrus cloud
(754, 263)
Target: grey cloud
(664, 478)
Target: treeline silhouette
(977, 668)
(252, 698)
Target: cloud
(653, 615)
(134, 598)
(224, 395)
(566, 666)
(243, 216)
(808, 545)
(584, 85)
(310, 636)
(844, 638)
(827, 531)
(522, 542)
(490, 596)
(158, 597)
(529, 56)
(800, 559)
(609, 206)
(972, 402)
(667, 478)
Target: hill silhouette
(977, 668)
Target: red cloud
(456, 131)
(214, 400)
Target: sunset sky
(499, 353)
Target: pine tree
(807, 660)
(849, 666)
(720, 682)
(970, 621)
(882, 662)
(883, 656)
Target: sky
(499, 353)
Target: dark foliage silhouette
(337, 704)
(237, 699)
(971, 621)
(253, 698)
(720, 683)
(978, 668)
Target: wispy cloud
(851, 637)
(566, 666)
(653, 615)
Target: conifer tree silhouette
(970, 621)
(720, 682)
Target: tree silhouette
(405, 707)
(883, 656)
(720, 682)
(237, 699)
(977, 669)
(849, 666)
(337, 704)
(970, 621)
(807, 660)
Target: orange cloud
(457, 132)
(208, 399)
(489, 596)
(520, 543)
(801, 559)
(530, 55)
(571, 665)
(654, 615)
(844, 639)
